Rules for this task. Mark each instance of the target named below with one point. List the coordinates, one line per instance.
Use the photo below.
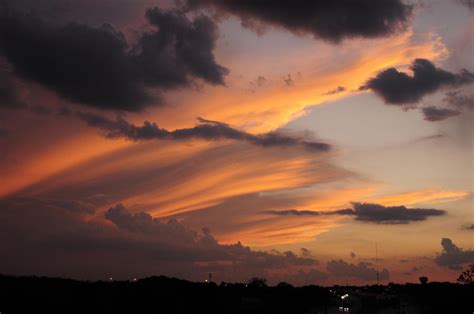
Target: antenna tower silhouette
(377, 263)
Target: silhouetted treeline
(152, 295)
(170, 295)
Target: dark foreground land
(169, 295)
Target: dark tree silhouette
(467, 275)
(257, 282)
(423, 280)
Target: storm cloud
(207, 130)
(452, 256)
(432, 113)
(329, 20)
(363, 271)
(50, 237)
(399, 88)
(96, 66)
(373, 213)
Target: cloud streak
(207, 130)
(433, 114)
(373, 213)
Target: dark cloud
(9, 95)
(96, 66)
(46, 238)
(305, 252)
(294, 212)
(467, 3)
(399, 88)
(471, 227)
(328, 20)
(337, 90)
(452, 256)
(389, 214)
(459, 101)
(340, 268)
(39, 109)
(433, 114)
(207, 130)
(87, 206)
(371, 213)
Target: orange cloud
(274, 104)
(428, 196)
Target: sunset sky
(276, 139)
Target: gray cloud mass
(97, 67)
(399, 88)
(329, 20)
(452, 256)
(373, 213)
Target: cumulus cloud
(399, 88)
(96, 66)
(363, 271)
(370, 213)
(328, 20)
(452, 256)
(433, 114)
(207, 130)
(52, 240)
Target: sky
(313, 142)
